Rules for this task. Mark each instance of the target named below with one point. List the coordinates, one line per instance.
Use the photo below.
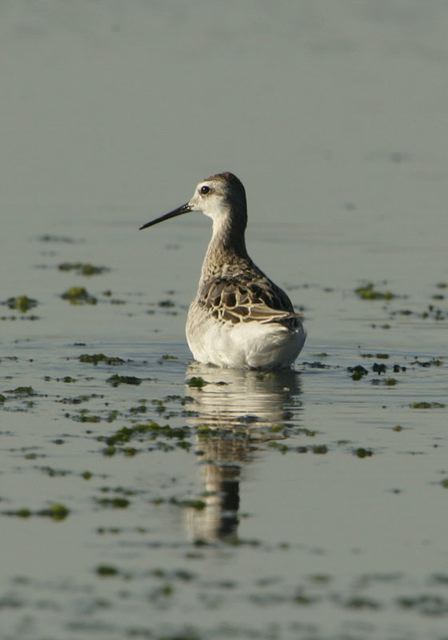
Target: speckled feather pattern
(239, 317)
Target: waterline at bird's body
(239, 317)
(245, 345)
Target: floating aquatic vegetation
(22, 392)
(21, 303)
(380, 356)
(319, 449)
(167, 304)
(198, 505)
(116, 380)
(197, 382)
(96, 358)
(141, 432)
(388, 382)
(427, 405)
(78, 295)
(434, 313)
(55, 512)
(316, 365)
(85, 416)
(106, 571)
(50, 237)
(357, 372)
(434, 362)
(82, 268)
(117, 502)
(428, 604)
(368, 292)
(361, 452)
(167, 358)
(80, 399)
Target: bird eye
(205, 190)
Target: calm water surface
(183, 501)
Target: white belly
(243, 345)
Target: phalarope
(239, 317)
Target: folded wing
(239, 299)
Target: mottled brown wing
(236, 300)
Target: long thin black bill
(185, 208)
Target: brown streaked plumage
(239, 317)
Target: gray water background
(334, 115)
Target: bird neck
(227, 247)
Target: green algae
(361, 603)
(50, 237)
(109, 451)
(316, 365)
(142, 432)
(82, 268)
(361, 452)
(320, 449)
(357, 372)
(278, 446)
(427, 405)
(80, 399)
(78, 296)
(388, 382)
(96, 358)
(56, 512)
(116, 380)
(106, 571)
(54, 473)
(380, 356)
(198, 505)
(434, 362)
(434, 313)
(138, 409)
(22, 392)
(159, 406)
(24, 512)
(167, 357)
(428, 604)
(84, 416)
(196, 382)
(310, 433)
(277, 428)
(368, 292)
(21, 303)
(303, 599)
(117, 502)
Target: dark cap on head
(234, 191)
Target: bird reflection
(232, 414)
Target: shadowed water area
(143, 495)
